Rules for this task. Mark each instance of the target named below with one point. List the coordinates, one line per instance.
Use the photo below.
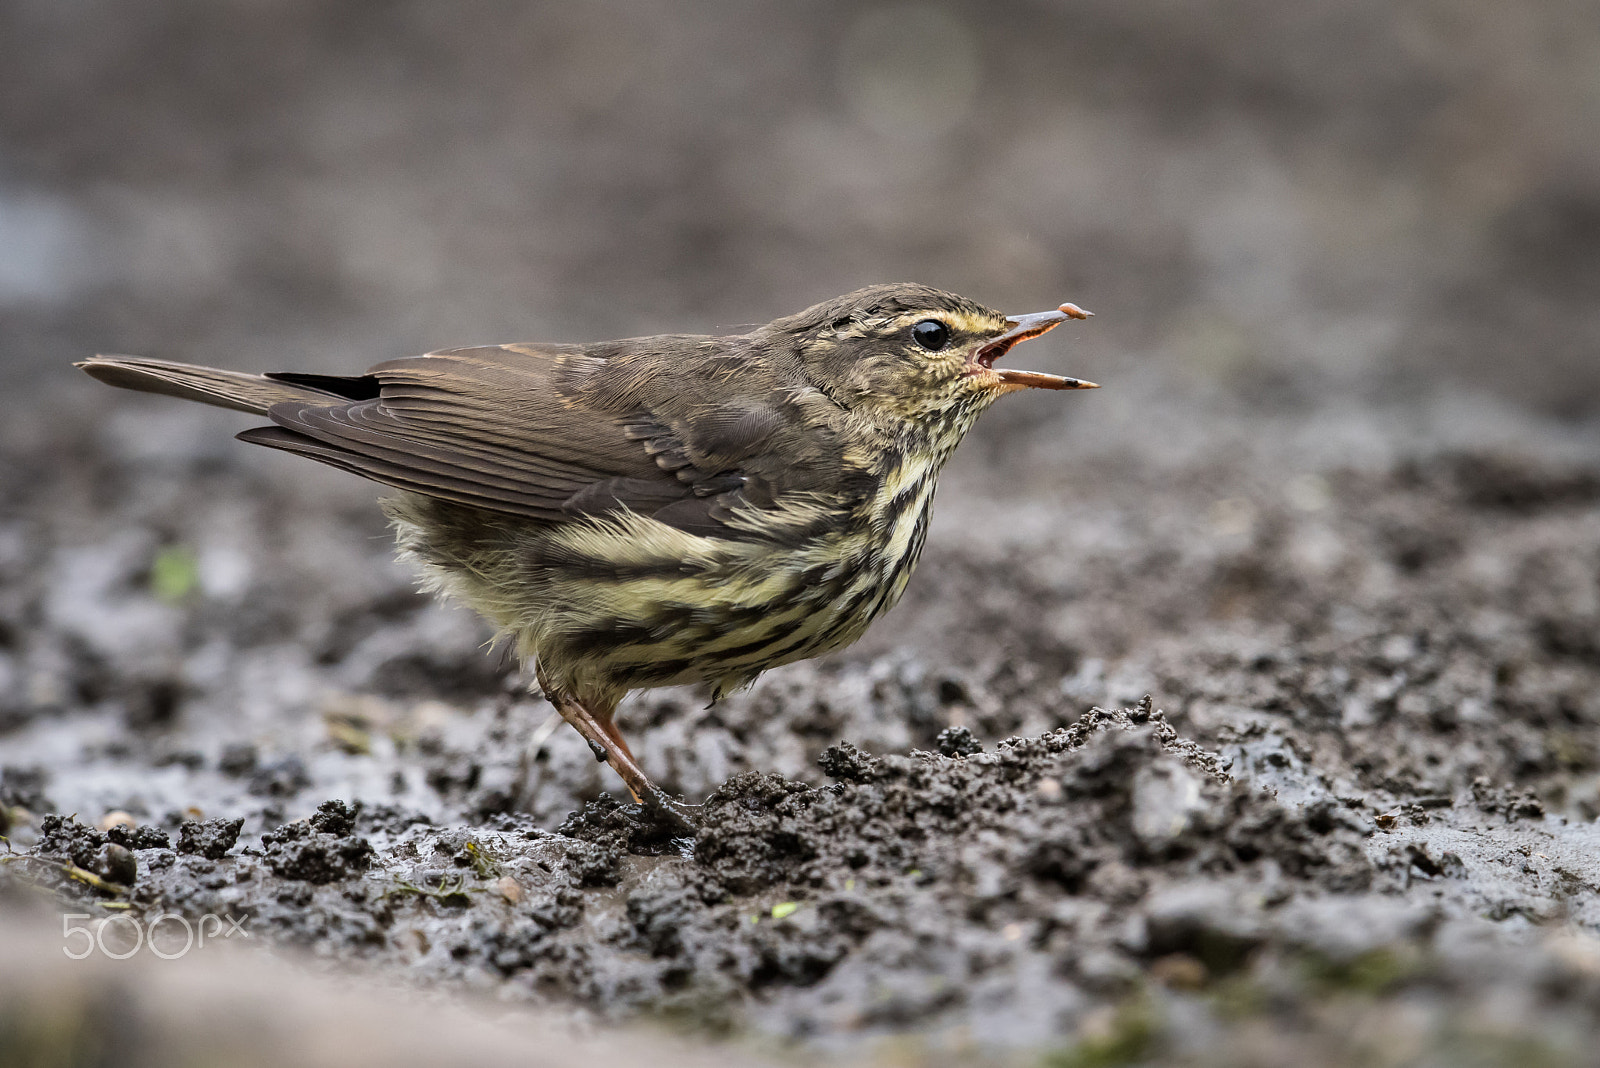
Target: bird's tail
(212, 385)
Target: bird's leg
(608, 724)
(603, 737)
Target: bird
(658, 510)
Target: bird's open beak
(1025, 327)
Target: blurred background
(1289, 203)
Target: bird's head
(916, 353)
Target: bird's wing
(554, 433)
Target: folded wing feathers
(495, 429)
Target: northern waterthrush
(657, 510)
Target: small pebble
(1179, 971)
(117, 864)
(238, 758)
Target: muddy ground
(1244, 712)
(1365, 778)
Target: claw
(677, 815)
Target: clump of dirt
(70, 842)
(300, 851)
(209, 838)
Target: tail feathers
(226, 389)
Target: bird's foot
(669, 813)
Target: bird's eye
(931, 334)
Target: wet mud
(1282, 761)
